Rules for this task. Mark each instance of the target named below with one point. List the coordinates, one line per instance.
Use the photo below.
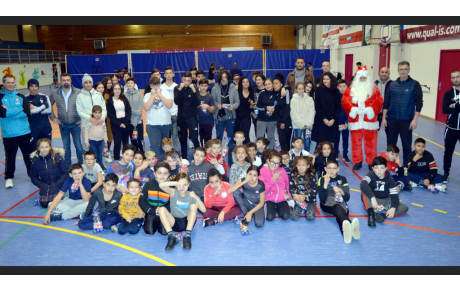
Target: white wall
(24, 72)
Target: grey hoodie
(136, 100)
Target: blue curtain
(248, 61)
(143, 64)
(284, 61)
(98, 66)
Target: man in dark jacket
(326, 67)
(40, 126)
(452, 132)
(383, 83)
(401, 98)
(235, 70)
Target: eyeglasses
(274, 164)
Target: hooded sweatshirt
(46, 176)
(13, 120)
(302, 111)
(274, 190)
(136, 100)
(85, 102)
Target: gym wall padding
(248, 61)
(284, 61)
(143, 64)
(98, 66)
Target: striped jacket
(69, 115)
(153, 197)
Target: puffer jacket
(85, 102)
(136, 100)
(46, 176)
(274, 190)
(302, 111)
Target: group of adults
(237, 100)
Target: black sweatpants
(254, 121)
(243, 123)
(152, 224)
(192, 125)
(340, 214)
(285, 136)
(282, 208)
(401, 128)
(11, 145)
(139, 143)
(38, 133)
(205, 133)
(451, 136)
(120, 135)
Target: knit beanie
(279, 76)
(86, 77)
(32, 82)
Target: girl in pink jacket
(276, 183)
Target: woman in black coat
(119, 113)
(328, 107)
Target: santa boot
(358, 166)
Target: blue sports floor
(428, 235)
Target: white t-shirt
(92, 176)
(119, 108)
(165, 90)
(158, 114)
(125, 88)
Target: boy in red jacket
(215, 157)
(396, 168)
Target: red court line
(350, 167)
(3, 171)
(423, 228)
(1, 214)
(317, 210)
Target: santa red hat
(362, 72)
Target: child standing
(343, 125)
(79, 193)
(249, 194)
(303, 113)
(218, 201)
(48, 171)
(215, 156)
(325, 152)
(198, 172)
(276, 188)
(297, 149)
(252, 151)
(205, 112)
(422, 169)
(334, 194)
(396, 168)
(239, 139)
(302, 186)
(96, 135)
(108, 200)
(378, 187)
(145, 175)
(286, 161)
(238, 170)
(93, 171)
(133, 216)
(184, 206)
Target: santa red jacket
(364, 117)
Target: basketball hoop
(323, 48)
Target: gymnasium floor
(428, 235)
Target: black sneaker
(209, 222)
(347, 160)
(55, 216)
(371, 217)
(187, 243)
(408, 187)
(358, 166)
(172, 241)
(446, 178)
(379, 217)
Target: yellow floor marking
(432, 142)
(417, 205)
(96, 238)
(355, 190)
(440, 211)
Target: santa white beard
(361, 90)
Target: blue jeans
(66, 130)
(156, 134)
(416, 177)
(221, 125)
(97, 147)
(306, 141)
(108, 219)
(132, 227)
(345, 137)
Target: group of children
(164, 194)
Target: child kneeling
(380, 193)
(184, 205)
(108, 199)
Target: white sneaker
(9, 183)
(441, 187)
(346, 227)
(114, 228)
(414, 185)
(355, 228)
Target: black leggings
(282, 208)
(245, 206)
(152, 224)
(205, 133)
(192, 125)
(243, 123)
(120, 135)
(140, 136)
(340, 214)
(284, 136)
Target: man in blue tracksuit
(40, 126)
(403, 96)
(14, 110)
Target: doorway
(348, 67)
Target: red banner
(410, 34)
(185, 50)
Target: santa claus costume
(362, 103)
